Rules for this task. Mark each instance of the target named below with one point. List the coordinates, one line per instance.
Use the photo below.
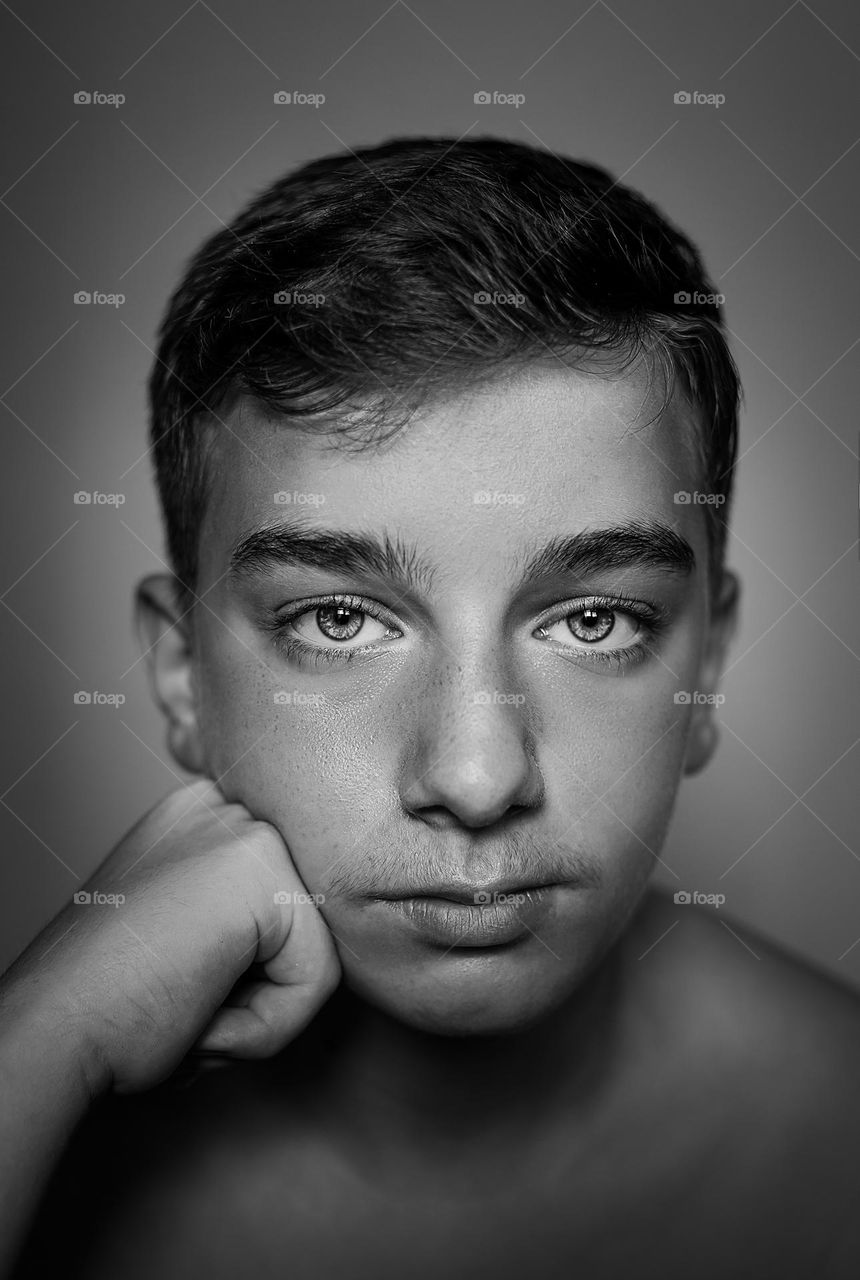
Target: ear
(164, 633)
(704, 731)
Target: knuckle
(227, 820)
(179, 806)
(267, 839)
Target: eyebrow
(295, 542)
(625, 546)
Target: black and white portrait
(430, 618)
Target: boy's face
(449, 744)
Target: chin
(467, 993)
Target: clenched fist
(138, 974)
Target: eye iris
(339, 622)
(591, 624)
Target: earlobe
(164, 632)
(701, 744)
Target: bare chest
(674, 1210)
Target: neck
(390, 1086)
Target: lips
(443, 920)
(468, 894)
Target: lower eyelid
(600, 658)
(293, 647)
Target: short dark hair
(400, 241)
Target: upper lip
(457, 891)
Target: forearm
(45, 1090)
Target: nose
(471, 755)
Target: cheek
(305, 764)
(612, 751)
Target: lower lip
(458, 924)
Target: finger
(272, 1016)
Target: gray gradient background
(107, 199)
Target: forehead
(538, 452)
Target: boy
(424, 419)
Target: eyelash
(652, 621)
(317, 655)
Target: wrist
(48, 1049)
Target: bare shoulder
(758, 1053)
(745, 991)
(782, 1033)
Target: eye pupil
(339, 621)
(591, 624)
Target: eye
(336, 624)
(594, 627)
